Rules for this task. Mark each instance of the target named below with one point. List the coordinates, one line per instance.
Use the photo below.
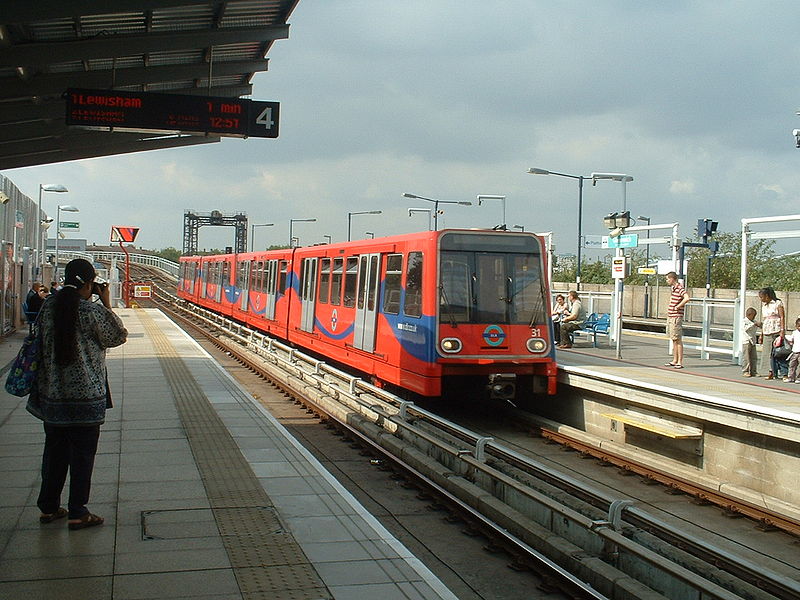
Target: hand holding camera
(101, 289)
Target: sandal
(677, 366)
(670, 364)
(50, 517)
(87, 520)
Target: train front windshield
(491, 279)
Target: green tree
(169, 253)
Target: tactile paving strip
(267, 561)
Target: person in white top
(794, 357)
(749, 355)
(773, 322)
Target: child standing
(794, 357)
(749, 356)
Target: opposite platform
(205, 495)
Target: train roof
(420, 236)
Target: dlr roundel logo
(494, 335)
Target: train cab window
(350, 279)
(336, 281)
(324, 280)
(391, 284)
(456, 288)
(282, 280)
(412, 306)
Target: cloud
(682, 187)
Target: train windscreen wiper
(447, 306)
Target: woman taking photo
(773, 323)
(71, 394)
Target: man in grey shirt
(573, 321)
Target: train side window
(241, 274)
(282, 281)
(336, 281)
(362, 284)
(226, 273)
(412, 306)
(350, 279)
(324, 279)
(391, 285)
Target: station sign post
(122, 235)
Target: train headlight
(536, 345)
(450, 345)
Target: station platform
(204, 493)
(715, 380)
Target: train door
(243, 283)
(222, 272)
(366, 306)
(272, 288)
(308, 285)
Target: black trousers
(70, 449)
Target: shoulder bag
(22, 376)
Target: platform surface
(204, 493)
(715, 380)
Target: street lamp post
(360, 212)
(291, 225)
(65, 208)
(580, 178)
(436, 204)
(411, 211)
(253, 233)
(502, 199)
(40, 231)
(618, 282)
(647, 277)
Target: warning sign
(142, 291)
(123, 234)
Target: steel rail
(387, 409)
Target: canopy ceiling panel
(209, 48)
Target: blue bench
(595, 324)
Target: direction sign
(71, 225)
(628, 240)
(148, 111)
(593, 241)
(647, 271)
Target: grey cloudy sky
(454, 98)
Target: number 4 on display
(265, 118)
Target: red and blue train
(451, 310)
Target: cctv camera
(796, 134)
(3, 198)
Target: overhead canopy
(165, 46)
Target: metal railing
(149, 260)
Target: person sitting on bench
(573, 321)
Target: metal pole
(742, 283)
(580, 232)
(436, 215)
(58, 230)
(39, 250)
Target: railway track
(597, 535)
